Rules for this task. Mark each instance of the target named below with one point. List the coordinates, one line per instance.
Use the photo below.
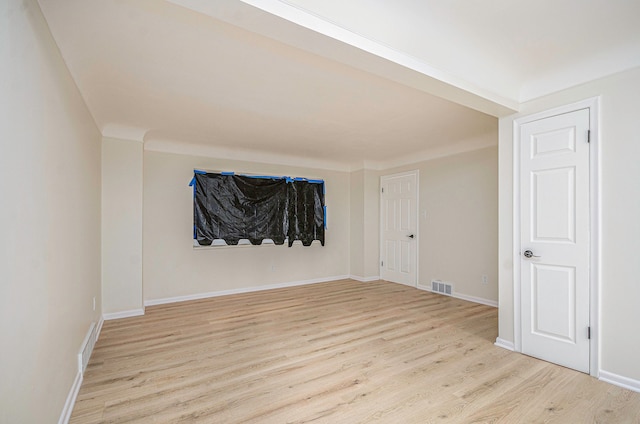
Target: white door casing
(399, 228)
(555, 229)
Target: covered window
(233, 207)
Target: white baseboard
(77, 383)
(165, 300)
(364, 279)
(618, 380)
(505, 344)
(99, 328)
(122, 314)
(71, 400)
(482, 301)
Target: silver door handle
(529, 254)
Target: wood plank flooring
(339, 352)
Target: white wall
(458, 240)
(620, 195)
(49, 220)
(172, 267)
(121, 227)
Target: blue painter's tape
(192, 183)
(325, 216)
(288, 179)
(197, 171)
(227, 173)
(266, 177)
(316, 181)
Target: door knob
(411, 236)
(529, 254)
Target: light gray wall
(172, 267)
(620, 196)
(49, 220)
(458, 237)
(121, 226)
(370, 218)
(356, 212)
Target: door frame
(595, 225)
(415, 172)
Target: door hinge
(381, 263)
(588, 136)
(589, 333)
(383, 189)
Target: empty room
(291, 211)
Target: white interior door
(554, 250)
(399, 228)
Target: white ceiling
(333, 84)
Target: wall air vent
(87, 348)
(438, 286)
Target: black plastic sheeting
(233, 207)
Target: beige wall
(457, 237)
(49, 220)
(356, 212)
(172, 267)
(620, 198)
(459, 194)
(365, 217)
(121, 226)
(371, 224)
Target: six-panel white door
(554, 250)
(398, 217)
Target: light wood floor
(340, 352)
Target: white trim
(77, 383)
(99, 327)
(71, 400)
(364, 279)
(595, 212)
(505, 344)
(124, 132)
(517, 322)
(246, 155)
(123, 314)
(461, 296)
(595, 208)
(474, 299)
(415, 172)
(233, 154)
(198, 296)
(620, 381)
(435, 152)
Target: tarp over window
(233, 207)
(306, 212)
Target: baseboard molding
(482, 301)
(71, 400)
(77, 383)
(99, 328)
(618, 380)
(364, 279)
(505, 344)
(122, 314)
(198, 296)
